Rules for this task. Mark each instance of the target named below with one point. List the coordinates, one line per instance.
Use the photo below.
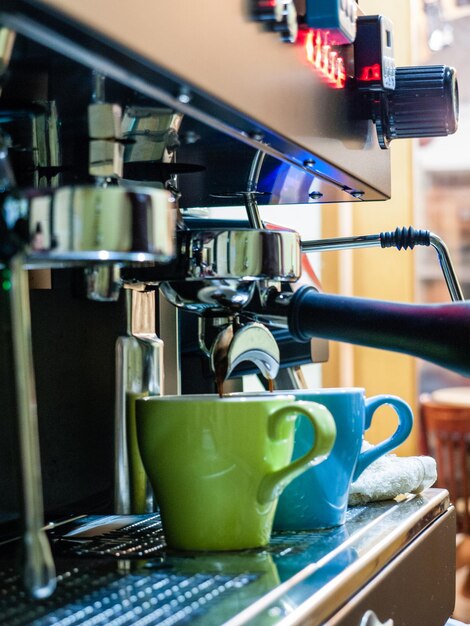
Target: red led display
(371, 72)
(327, 62)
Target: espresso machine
(119, 125)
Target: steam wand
(400, 238)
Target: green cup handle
(324, 429)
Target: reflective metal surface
(302, 577)
(238, 343)
(152, 134)
(102, 282)
(374, 241)
(304, 123)
(209, 297)
(218, 269)
(244, 254)
(38, 565)
(75, 225)
(139, 373)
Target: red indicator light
(327, 62)
(340, 73)
(371, 72)
(309, 47)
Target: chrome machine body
(118, 122)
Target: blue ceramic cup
(319, 498)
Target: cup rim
(247, 397)
(296, 392)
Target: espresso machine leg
(38, 565)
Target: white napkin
(391, 476)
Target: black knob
(425, 103)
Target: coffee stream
(220, 385)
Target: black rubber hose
(439, 333)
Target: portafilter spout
(217, 272)
(237, 343)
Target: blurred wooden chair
(445, 424)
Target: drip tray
(141, 536)
(92, 595)
(117, 570)
(117, 536)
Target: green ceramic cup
(218, 465)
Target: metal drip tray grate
(104, 596)
(136, 536)
(141, 536)
(154, 585)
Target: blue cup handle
(405, 424)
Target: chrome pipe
(139, 373)
(252, 210)
(249, 197)
(447, 267)
(38, 565)
(341, 243)
(402, 238)
(255, 171)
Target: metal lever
(38, 568)
(250, 342)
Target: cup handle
(405, 424)
(324, 429)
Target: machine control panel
(403, 102)
(346, 48)
(338, 17)
(374, 58)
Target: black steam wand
(438, 333)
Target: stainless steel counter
(395, 558)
